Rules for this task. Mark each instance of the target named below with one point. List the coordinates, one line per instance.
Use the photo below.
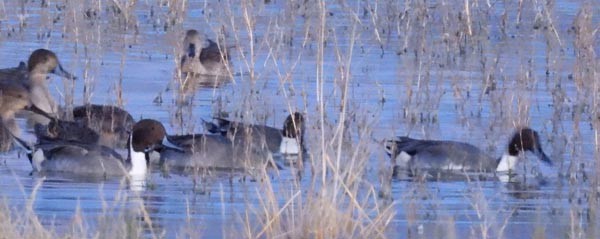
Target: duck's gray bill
(60, 71)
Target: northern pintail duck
(201, 151)
(203, 56)
(415, 154)
(94, 124)
(288, 140)
(62, 130)
(75, 157)
(41, 62)
(112, 123)
(13, 97)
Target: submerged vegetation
(361, 71)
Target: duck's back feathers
(67, 131)
(15, 74)
(212, 53)
(248, 133)
(110, 122)
(440, 155)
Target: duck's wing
(443, 154)
(59, 145)
(18, 73)
(109, 118)
(212, 53)
(217, 126)
(408, 145)
(60, 130)
(51, 147)
(224, 126)
(193, 141)
(440, 148)
(234, 127)
(185, 141)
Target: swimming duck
(288, 140)
(93, 124)
(201, 151)
(203, 56)
(75, 157)
(416, 154)
(110, 122)
(40, 63)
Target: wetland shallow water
(409, 70)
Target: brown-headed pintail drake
(286, 141)
(201, 151)
(433, 155)
(79, 158)
(13, 97)
(203, 56)
(41, 62)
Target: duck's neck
(289, 146)
(41, 98)
(138, 161)
(40, 95)
(38, 78)
(138, 164)
(507, 163)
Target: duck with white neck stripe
(425, 155)
(286, 141)
(200, 151)
(86, 159)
